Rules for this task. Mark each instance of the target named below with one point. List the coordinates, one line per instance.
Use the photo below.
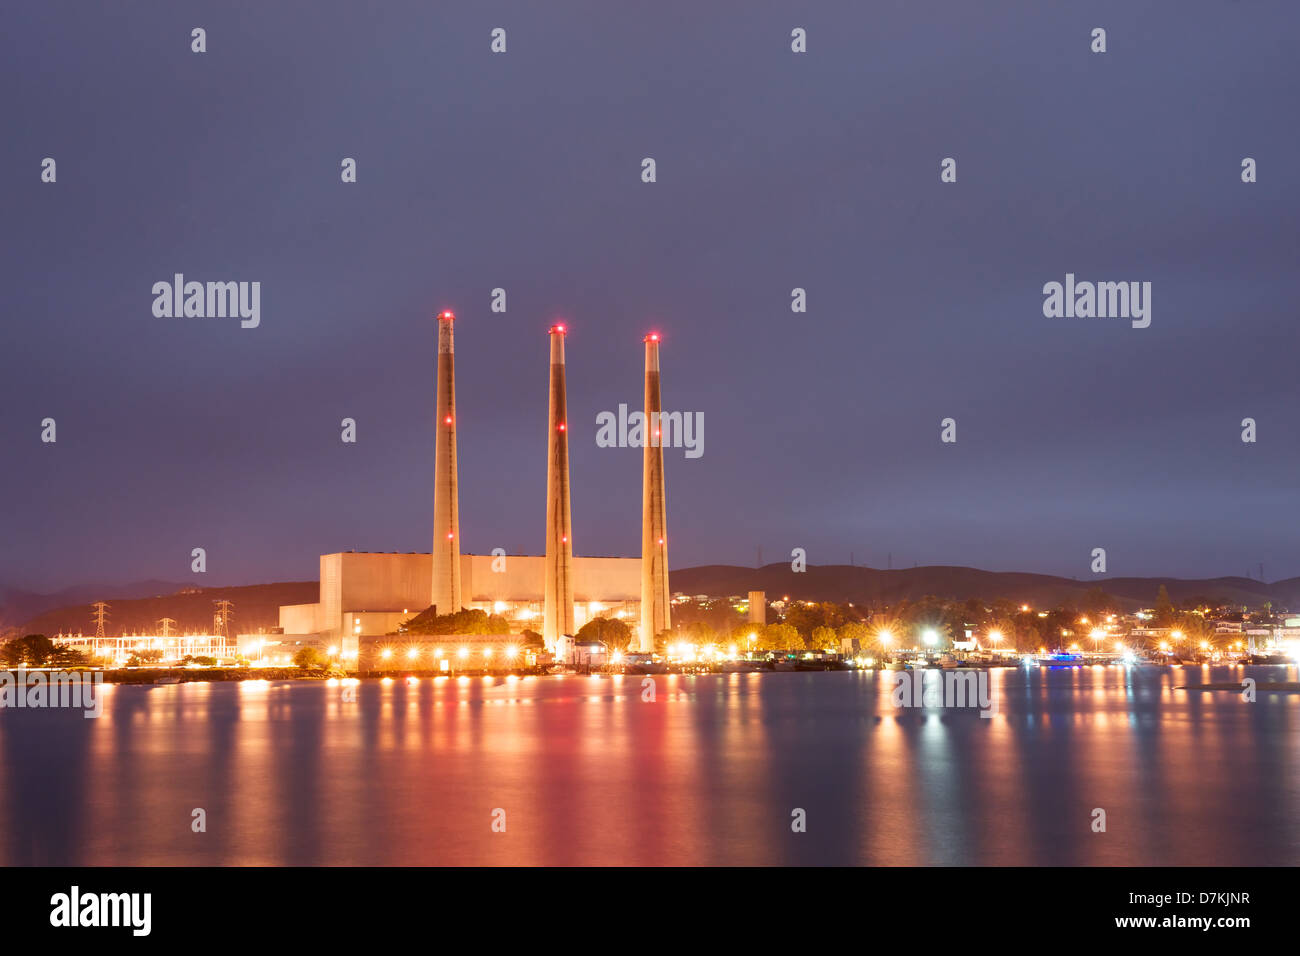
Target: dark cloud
(775, 171)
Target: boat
(643, 664)
(821, 664)
(1060, 659)
(166, 680)
(1268, 659)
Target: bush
(308, 658)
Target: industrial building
(366, 595)
(168, 648)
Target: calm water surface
(709, 773)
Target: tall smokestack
(558, 617)
(654, 526)
(446, 508)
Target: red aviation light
(561, 426)
(661, 540)
(652, 337)
(560, 327)
(450, 535)
(564, 539)
(447, 420)
(446, 314)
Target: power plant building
(366, 594)
(370, 594)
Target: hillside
(843, 583)
(18, 606)
(256, 607)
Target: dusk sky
(775, 170)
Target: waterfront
(709, 773)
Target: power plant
(655, 615)
(365, 595)
(558, 612)
(446, 505)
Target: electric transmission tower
(99, 615)
(221, 618)
(166, 624)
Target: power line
(221, 618)
(99, 615)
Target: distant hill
(844, 583)
(256, 607)
(18, 606)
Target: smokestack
(654, 528)
(558, 617)
(446, 508)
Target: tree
(699, 632)
(720, 616)
(1164, 607)
(1028, 631)
(533, 640)
(823, 638)
(805, 618)
(68, 657)
(308, 658)
(781, 637)
(610, 631)
(1195, 631)
(32, 650)
(1058, 621)
(462, 622)
(1097, 603)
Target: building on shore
(371, 594)
(165, 648)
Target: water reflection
(587, 770)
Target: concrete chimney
(655, 613)
(558, 617)
(446, 507)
